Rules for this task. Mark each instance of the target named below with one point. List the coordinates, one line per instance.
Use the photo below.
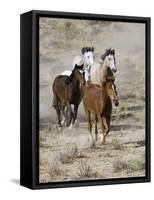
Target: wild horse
(67, 91)
(97, 100)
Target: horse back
(61, 87)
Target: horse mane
(86, 49)
(72, 75)
(109, 51)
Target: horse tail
(55, 98)
(54, 102)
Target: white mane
(66, 72)
(78, 60)
(86, 59)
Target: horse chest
(107, 107)
(76, 96)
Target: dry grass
(70, 154)
(119, 166)
(133, 166)
(54, 169)
(85, 171)
(136, 165)
(117, 145)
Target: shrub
(119, 166)
(86, 171)
(54, 169)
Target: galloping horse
(87, 59)
(97, 100)
(98, 71)
(67, 92)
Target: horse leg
(108, 119)
(102, 127)
(63, 115)
(58, 115)
(57, 108)
(106, 130)
(96, 130)
(90, 129)
(68, 115)
(75, 113)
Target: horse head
(109, 58)
(88, 55)
(79, 74)
(111, 89)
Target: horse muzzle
(114, 70)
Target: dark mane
(108, 52)
(86, 49)
(72, 75)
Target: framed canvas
(85, 99)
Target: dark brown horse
(97, 100)
(67, 91)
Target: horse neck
(102, 72)
(104, 66)
(75, 82)
(105, 71)
(105, 94)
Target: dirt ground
(65, 155)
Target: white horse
(86, 59)
(98, 71)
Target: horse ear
(82, 66)
(102, 57)
(76, 66)
(87, 49)
(83, 50)
(106, 53)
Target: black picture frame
(29, 90)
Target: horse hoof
(59, 128)
(92, 146)
(70, 127)
(103, 142)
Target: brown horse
(67, 91)
(97, 100)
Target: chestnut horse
(67, 91)
(97, 100)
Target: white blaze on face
(113, 87)
(111, 62)
(87, 73)
(88, 58)
(81, 71)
